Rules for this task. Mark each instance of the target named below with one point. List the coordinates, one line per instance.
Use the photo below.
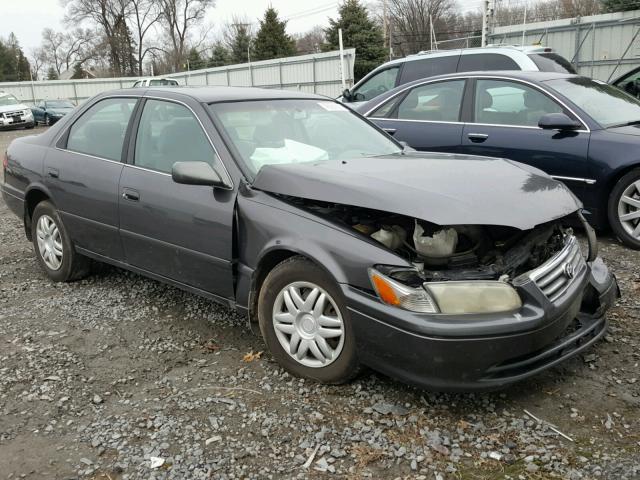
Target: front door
(180, 232)
(505, 124)
(82, 175)
(427, 117)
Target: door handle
(53, 172)
(390, 131)
(130, 194)
(478, 137)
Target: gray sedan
(344, 248)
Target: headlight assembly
(452, 298)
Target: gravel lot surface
(120, 377)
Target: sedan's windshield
(294, 131)
(607, 105)
(6, 100)
(60, 104)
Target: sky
(27, 18)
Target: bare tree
(37, 61)
(179, 18)
(412, 20)
(61, 51)
(310, 41)
(110, 16)
(144, 15)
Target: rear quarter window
(552, 62)
(486, 61)
(428, 67)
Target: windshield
(6, 100)
(60, 104)
(162, 82)
(269, 132)
(607, 105)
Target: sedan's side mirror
(346, 94)
(196, 173)
(558, 121)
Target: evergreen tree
(619, 5)
(196, 62)
(78, 72)
(238, 41)
(52, 74)
(358, 31)
(14, 66)
(220, 56)
(272, 40)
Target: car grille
(555, 275)
(17, 113)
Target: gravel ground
(120, 377)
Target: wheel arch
(33, 196)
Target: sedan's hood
(59, 111)
(440, 188)
(13, 108)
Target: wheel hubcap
(49, 242)
(308, 324)
(629, 209)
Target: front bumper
(17, 121)
(484, 352)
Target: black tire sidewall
(612, 211)
(345, 367)
(64, 273)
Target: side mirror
(196, 173)
(558, 121)
(346, 94)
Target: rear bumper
(486, 361)
(13, 198)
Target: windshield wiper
(625, 124)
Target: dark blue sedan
(579, 130)
(49, 112)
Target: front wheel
(305, 323)
(53, 247)
(624, 209)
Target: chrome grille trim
(555, 275)
(17, 113)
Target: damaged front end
(459, 269)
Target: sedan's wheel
(624, 209)
(303, 319)
(53, 248)
(47, 120)
(49, 242)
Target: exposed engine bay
(453, 252)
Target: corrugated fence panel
(599, 46)
(319, 72)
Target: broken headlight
(452, 297)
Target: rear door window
(100, 130)
(433, 102)
(428, 67)
(480, 62)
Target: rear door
(82, 174)
(179, 232)
(504, 123)
(426, 116)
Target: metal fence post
(75, 92)
(313, 75)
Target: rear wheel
(305, 323)
(53, 247)
(624, 209)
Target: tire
(47, 120)
(29, 127)
(340, 362)
(53, 248)
(627, 231)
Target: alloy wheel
(49, 242)
(308, 324)
(629, 209)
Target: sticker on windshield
(332, 106)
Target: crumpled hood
(445, 189)
(14, 108)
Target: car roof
(534, 76)
(230, 94)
